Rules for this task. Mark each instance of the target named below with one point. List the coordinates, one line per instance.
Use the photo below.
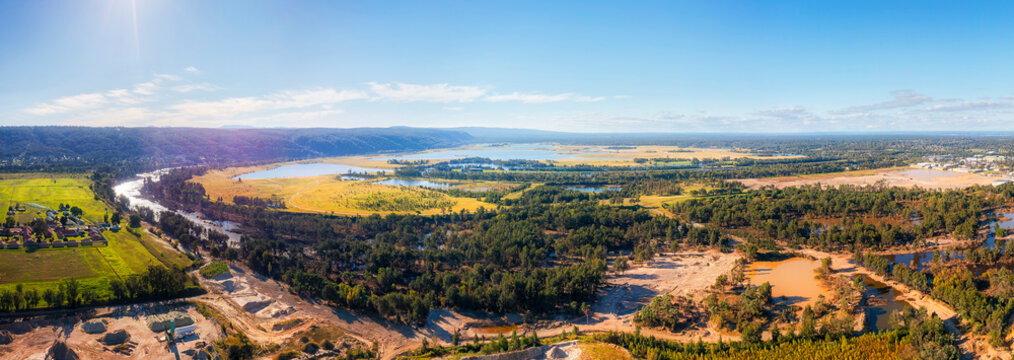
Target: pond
(301, 170)
(793, 281)
(885, 301)
(415, 183)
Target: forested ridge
(133, 150)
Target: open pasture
(51, 190)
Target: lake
(302, 170)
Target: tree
(135, 220)
(116, 218)
(621, 264)
(76, 211)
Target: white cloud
(976, 105)
(69, 103)
(278, 101)
(453, 108)
(191, 70)
(439, 93)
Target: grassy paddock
(51, 190)
(93, 266)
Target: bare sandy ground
(685, 273)
(34, 337)
(903, 177)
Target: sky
(581, 66)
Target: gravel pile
(162, 322)
(94, 327)
(60, 351)
(116, 338)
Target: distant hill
(70, 148)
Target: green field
(51, 190)
(127, 254)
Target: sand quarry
(268, 314)
(903, 177)
(119, 332)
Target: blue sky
(704, 66)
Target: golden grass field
(329, 194)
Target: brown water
(792, 278)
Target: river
(132, 191)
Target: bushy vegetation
(213, 269)
(667, 311)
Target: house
(56, 244)
(65, 233)
(26, 232)
(71, 243)
(13, 245)
(115, 228)
(86, 242)
(95, 236)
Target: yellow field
(328, 194)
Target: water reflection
(883, 301)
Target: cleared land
(330, 194)
(904, 177)
(126, 253)
(32, 339)
(666, 155)
(51, 190)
